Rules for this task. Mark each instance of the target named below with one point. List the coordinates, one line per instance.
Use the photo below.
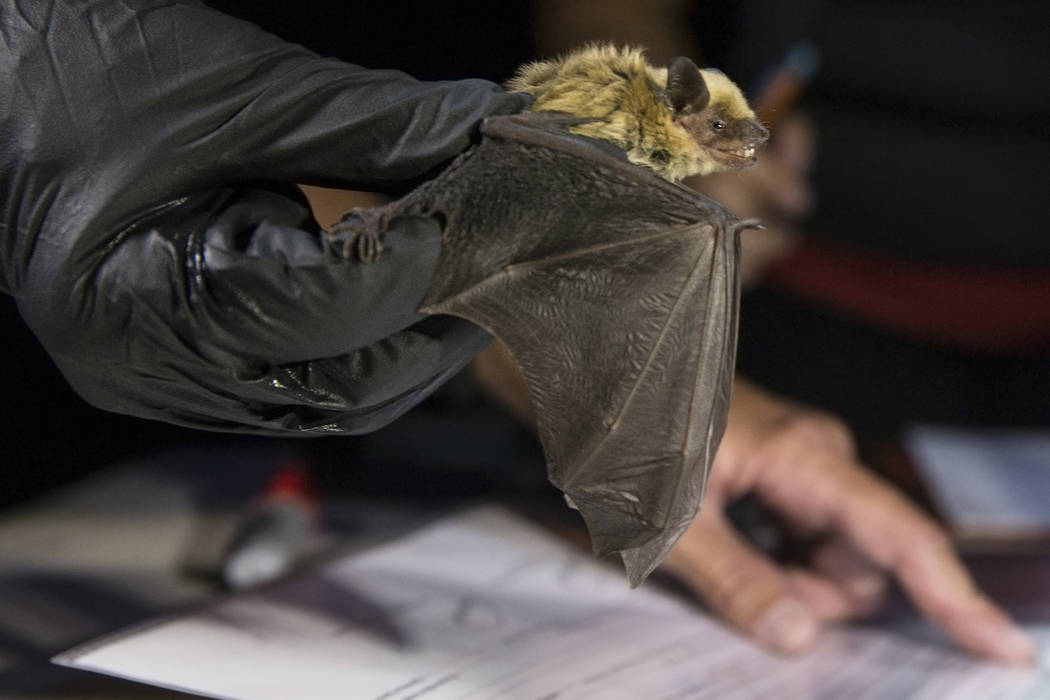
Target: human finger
(821, 594)
(781, 177)
(896, 536)
(860, 580)
(794, 142)
(742, 586)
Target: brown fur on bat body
(615, 289)
(678, 121)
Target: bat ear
(686, 88)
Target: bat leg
(360, 230)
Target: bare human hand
(801, 463)
(776, 191)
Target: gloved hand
(157, 246)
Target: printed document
(485, 605)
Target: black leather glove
(156, 245)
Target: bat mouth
(742, 155)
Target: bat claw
(360, 229)
(369, 247)
(749, 224)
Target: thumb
(741, 586)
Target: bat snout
(758, 133)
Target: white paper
(484, 605)
(993, 483)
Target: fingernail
(1008, 643)
(788, 627)
(866, 588)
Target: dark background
(968, 77)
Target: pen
(274, 533)
(779, 89)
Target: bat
(617, 293)
(677, 121)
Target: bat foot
(359, 230)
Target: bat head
(715, 114)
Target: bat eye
(718, 125)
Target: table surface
(109, 552)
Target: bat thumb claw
(746, 224)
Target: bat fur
(678, 121)
(614, 287)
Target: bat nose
(759, 133)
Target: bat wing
(617, 293)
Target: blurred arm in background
(799, 461)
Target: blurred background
(904, 275)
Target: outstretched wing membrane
(617, 293)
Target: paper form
(484, 605)
(986, 483)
